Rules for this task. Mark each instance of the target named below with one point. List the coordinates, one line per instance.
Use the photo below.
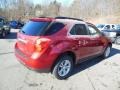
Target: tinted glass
(93, 31)
(53, 28)
(34, 28)
(73, 31)
(79, 29)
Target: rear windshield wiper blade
(23, 32)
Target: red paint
(54, 45)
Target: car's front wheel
(63, 67)
(107, 52)
(117, 41)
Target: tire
(63, 67)
(3, 34)
(107, 52)
(117, 41)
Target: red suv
(57, 44)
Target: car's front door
(95, 40)
(80, 37)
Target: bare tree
(22, 9)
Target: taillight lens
(42, 44)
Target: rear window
(33, 28)
(41, 28)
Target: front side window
(79, 29)
(93, 31)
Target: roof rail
(44, 17)
(68, 18)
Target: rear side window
(53, 28)
(33, 28)
(79, 29)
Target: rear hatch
(37, 31)
(29, 34)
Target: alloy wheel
(64, 68)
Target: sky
(63, 2)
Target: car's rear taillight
(42, 44)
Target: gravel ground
(95, 74)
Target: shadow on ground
(89, 63)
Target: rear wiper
(23, 31)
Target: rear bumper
(42, 64)
(31, 68)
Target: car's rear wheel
(107, 52)
(63, 67)
(117, 41)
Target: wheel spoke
(64, 71)
(68, 66)
(64, 68)
(107, 52)
(61, 72)
(66, 63)
(61, 65)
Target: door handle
(76, 38)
